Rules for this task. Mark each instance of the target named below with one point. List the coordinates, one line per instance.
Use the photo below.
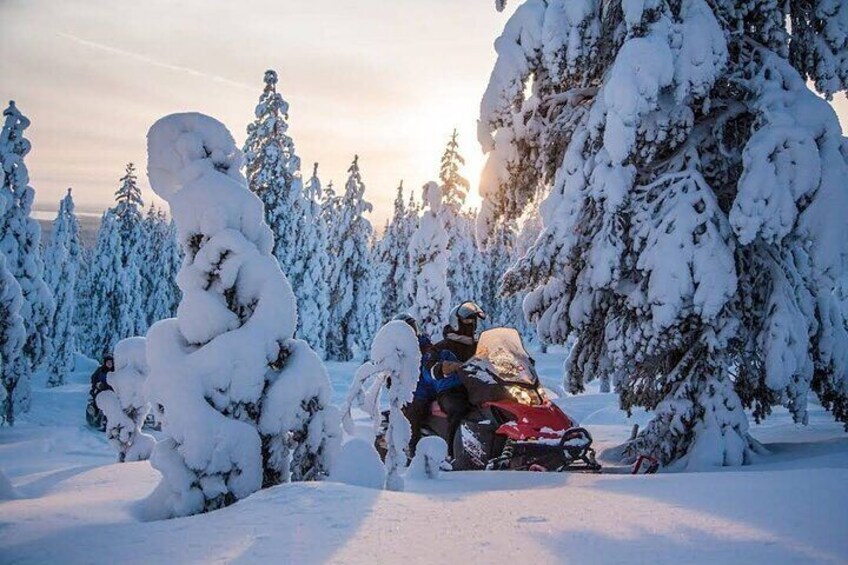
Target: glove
(449, 367)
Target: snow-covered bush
(430, 454)
(243, 403)
(359, 465)
(62, 261)
(693, 184)
(125, 406)
(395, 361)
(428, 259)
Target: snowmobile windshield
(500, 353)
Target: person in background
(98, 384)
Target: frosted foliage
(115, 284)
(392, 259)
(20, 241)
(351, 285)
(244, 405)
(14, 392)
(292, 211)
(125, 406)
(395, 358)
(428, 258)
(63, 261)
(687, 199)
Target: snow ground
(72, 504)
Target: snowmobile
(512, 424)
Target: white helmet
(466, 313)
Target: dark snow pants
(417, 413)
(454, 403)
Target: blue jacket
(424, 390)
(447, 382)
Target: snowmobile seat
(436, 410)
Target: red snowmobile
(512, 424)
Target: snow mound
(359, 465)
(429, 455)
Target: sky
(385, 79)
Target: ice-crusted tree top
(128, 196)
(455, 186)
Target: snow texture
(428, 259)
(430, 453)
(63, 260)
(243, 404)
(395, 361)
(125, 406)
(687, 246)
(359, 465)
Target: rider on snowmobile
(446, 358)
(418, 410)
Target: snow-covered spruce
(62, 262)
(292, 212)
(161, 260)
(20, 240)
(466, 272)
(350, 284)
(116, 293)
(693, 185)
(13, 364)
(395, 359)
(244, 405)
(313, 295)
(392, 259)
(125, 406)
(428, 260)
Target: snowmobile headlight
(520, 395)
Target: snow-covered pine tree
(694, 185)
(161, 259)
(126, 406)
(462, 282)
(273, 173)
(498, 256)
(428, 263)
(244, 404)
(392, 258)
(62, 261)
(14, 393)
(20, 241)
(273, 170)
(103, 289)
(349, 272)
(114, 277)
(311, 265)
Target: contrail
(154, 62)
